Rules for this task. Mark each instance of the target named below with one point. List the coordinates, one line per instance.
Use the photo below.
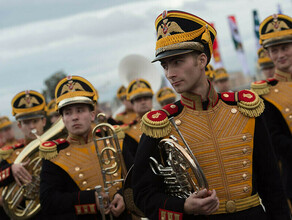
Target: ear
(44, 121)
(92, 115)
(202, 58)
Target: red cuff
(85, 209)
(169, 215)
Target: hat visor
(278, 41)
(75, 100)
(170, 53)
(27, 116)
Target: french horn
(22, 202)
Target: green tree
(51, 83)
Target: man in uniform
(7, 131)
(225, 132)
(71, 168)
(265, 64)
(165, 96)
(128, 115)
(28, 107)
(139, 93)
(221, 80)
(51, 111)
(276, 38)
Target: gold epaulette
(260, 87)
(49, 149)
(119, 131)
(248, 102)
(156, 124)
(5, 152)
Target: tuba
(106, 140)
(22, 202)
(181, 172)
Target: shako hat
(4, 122)
(275, 29)
(139, 88)
(264, 61)
(122, 93)
(74, 90)
(165, 94)
(28, 104)
(210, 72)
(51, 108)
(221, 74)
(179, 32)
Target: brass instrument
(180, 164)
(110, 157)
(22, 202)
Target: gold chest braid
(14, 154)
(135, 132)
(280, 97)
(81, 163)
(222, 141)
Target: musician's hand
(117, 206)
(105, 206)
(203, 203)
(20, 174)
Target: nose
(169, 72)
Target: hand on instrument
(117, 206)
(106, 205)
(20, 174)
(204, 202)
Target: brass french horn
(22, 202)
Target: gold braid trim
(48, 153)
(252, 109)
(275, 34)
(120, 133)
(260, 89)
(5, 154)
(155, 129)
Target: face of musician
(77, 119)
(54, 118)
(186, 72)
(142, 105)
(281, 55)
(222, 85)
(8, 133)
(128, 104)
(27, 125)
(268, 72)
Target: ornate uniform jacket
(8, 155)
(276, 93)
(68, 180)
(228, 137)
(126, 117)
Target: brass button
(68, 154)
(88, 189)
(77, 168)
(80, 175)
(118, 188)
(115, 174)
(244, 137)
(17, 152)
(244, 163)
(84, 183)
(172, 106)
(225, 95)
(244, 150)
(135, 127)
(287, 109)
(230, 206)
(244, 176)
(276, 90)
(245, 189)
(290, 116)
(178, 122)
(233, 110)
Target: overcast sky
(90, 37)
